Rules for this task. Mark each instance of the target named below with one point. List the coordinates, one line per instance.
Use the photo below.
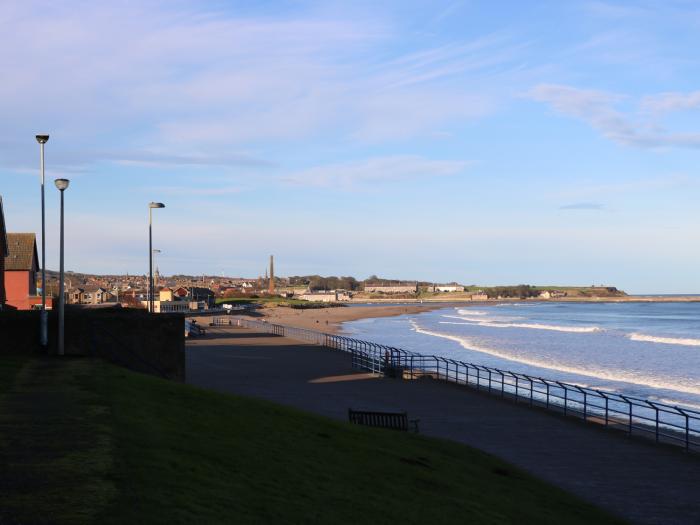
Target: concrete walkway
(634, 479)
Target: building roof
(3, 233)
(22, 252)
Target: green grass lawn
(82, 441)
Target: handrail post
(606, 411)
(630, 421)
(657, 424)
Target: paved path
(635, 479)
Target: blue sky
(483, 142)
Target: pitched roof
(22, 252)
(3, 233)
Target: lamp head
(156, 205)
(42, 139)
(61, 184)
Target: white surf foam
(606, 375)
(665, 340)
(462, 311)
(533, 326)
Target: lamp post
(44, 327)
(151, 206)
(62, 185)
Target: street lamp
(62, 185)
(151, 206)
(44, 328)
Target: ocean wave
(647, 381)
(665, 340)
(469, 311)
(492, 323)
(556, 328)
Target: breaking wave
(534, 326)
(665, 340)
(647, 381)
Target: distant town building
(446, 288)
(480, 296)
(3, 254)
(90, 295)
(392, 288)
(21, 265)
(326, 296)
(552, 294)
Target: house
(446, 288)
(21, 265)
(166, 295)
(90, 295)
(320, 296)
(552, 294)
(3, 254)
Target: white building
(446, 288)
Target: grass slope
(111, 446)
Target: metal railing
(662, 422)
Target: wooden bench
(392, 420)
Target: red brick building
(3, 254)
(21, 266)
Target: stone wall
(152, 344)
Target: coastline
(330, 320)
(462, 301)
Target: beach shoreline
(331, 319)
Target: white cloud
(670, 102)
(184, 81)
(375, 170)
(597, 109)
(583, 206)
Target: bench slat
(391, 420)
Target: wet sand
(330, 319)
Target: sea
(649, 350)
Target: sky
(484, 142)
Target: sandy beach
(331, 319)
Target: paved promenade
(635, 479)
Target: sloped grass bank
(135, 449)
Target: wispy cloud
(598, 109)
(375, 170)
(197, 190)
(185, 81)
(583, 206)
(671, 102)
(169, 160)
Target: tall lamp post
(44, 328)
(151, 207)
(62, 185)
